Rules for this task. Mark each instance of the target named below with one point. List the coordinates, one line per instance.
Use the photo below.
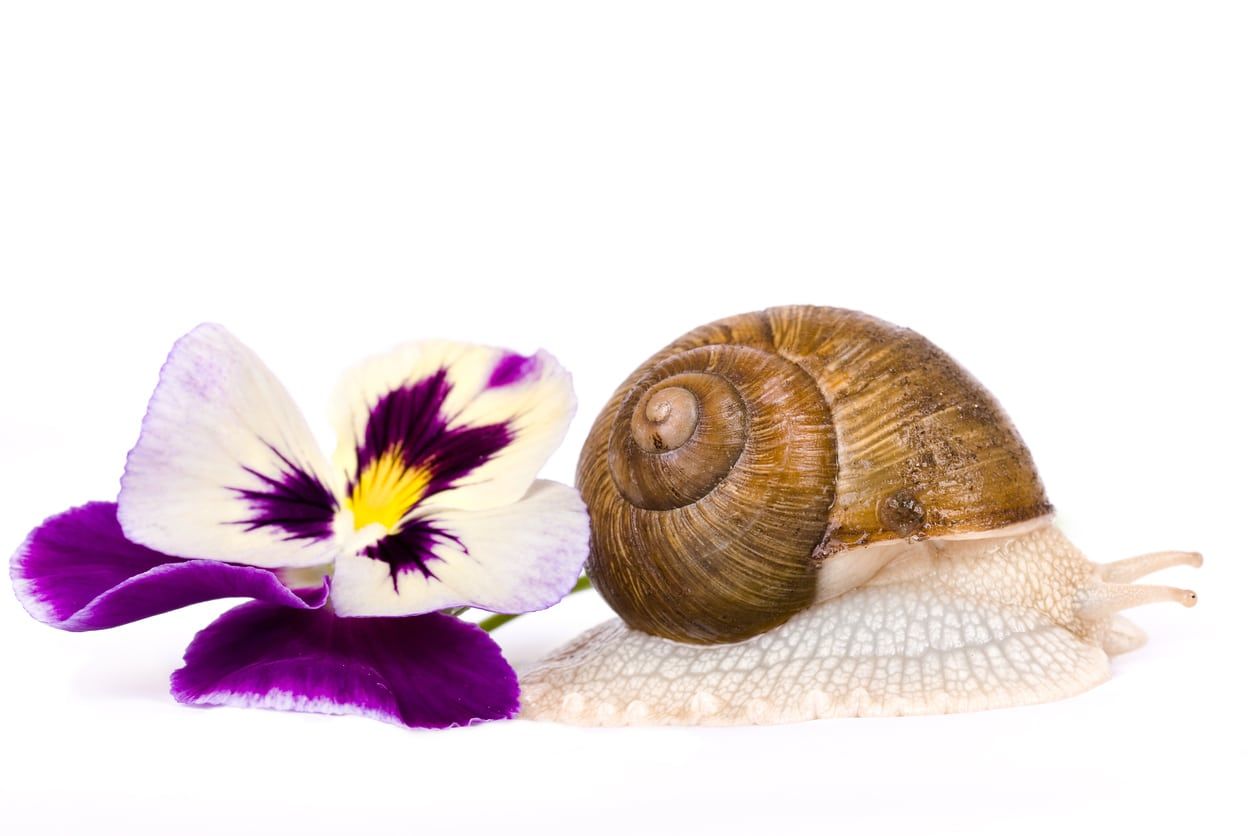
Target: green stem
(493, 621)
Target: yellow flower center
(386, 490)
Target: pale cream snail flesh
(808, 512)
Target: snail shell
(809, 513)
(735, 461)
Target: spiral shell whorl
(665, 418)
(675, 439)
(710, 539)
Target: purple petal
(78, 572)
(430, 671)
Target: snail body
(809, 512)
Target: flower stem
(493, 621)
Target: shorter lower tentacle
(1101, 600)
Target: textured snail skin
(818, 430)
(947, 626)
(808, 512)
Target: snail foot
(895, 649)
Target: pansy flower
(429, 504)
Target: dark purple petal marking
(424, 671)
(460, 451)
(408, 422)
(511, 369)
(406, 419)
(77, 571)
(412, 549)
(295, 501)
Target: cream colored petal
(435, 403)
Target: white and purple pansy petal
(447, 424)
(427, 671)
(517, 558)
(78, 572)
(225, 467)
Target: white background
(1059, 194)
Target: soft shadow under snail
(808, 512)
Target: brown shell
(848, 431)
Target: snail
(808, 512)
